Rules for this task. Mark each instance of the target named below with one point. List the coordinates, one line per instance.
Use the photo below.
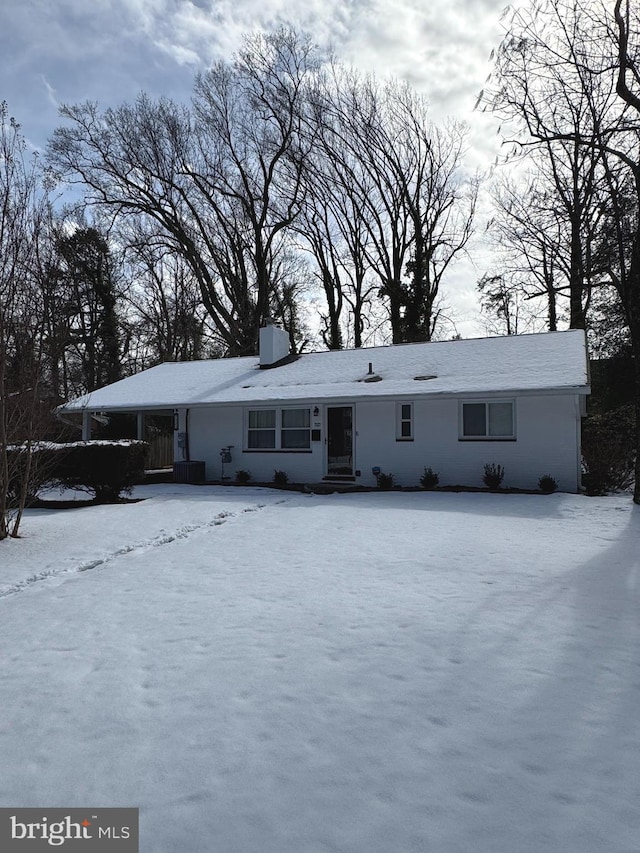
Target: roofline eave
(338, 398)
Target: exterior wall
(211, 429)
(547, 442)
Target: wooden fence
(160, 451)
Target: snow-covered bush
(106, 469)
(31, 467)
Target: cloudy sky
(67, 51)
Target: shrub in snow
(385, 481)
(31, 467)
(243, 476)
(608, 450)
(547, 484)
(280, 478)
(493, 475)
(429, 479)
(107, 469)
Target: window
(262, 429)
(295, 434)
(488, 420)
(404, 422)
(278, 429)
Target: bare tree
(529, 241)
(627, 282)
(221, 181)
(333, 228)
(417, 203)
(23, 206)
(166, 320)
(253, 113)
(545, 89)
(503, 303)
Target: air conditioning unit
(188, 472)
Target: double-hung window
(261, 433)
(278, 429)
(295, 429)
(488, 420)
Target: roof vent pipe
(370, 368)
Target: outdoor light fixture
(316, 411)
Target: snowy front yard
(270, 672)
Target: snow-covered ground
(272, 672)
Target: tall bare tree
(553, 101)
(530, 241)
(417, 202)
(166, 320)
(222, 181)
(23, 207)
(627, 282)
(333, 227)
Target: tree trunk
(576, 279)
(630, 296)
(636, 362)
(4, 464)
(633, 318)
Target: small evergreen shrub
(280, 478)
(385, 481)
(547, 484)
(429, 479)
(493, 475)
(243, 476)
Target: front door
(340, 441)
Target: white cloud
(120, 46)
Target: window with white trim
(261, 433)
(295, 431)
(278, 429)
(404, 421)
(488, 420)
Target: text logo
(87, 830)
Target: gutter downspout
(580, 415)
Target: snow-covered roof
(553, 361)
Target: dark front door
(340, 441)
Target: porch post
(86, 426)
(140, 426)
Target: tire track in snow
(157, 542)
